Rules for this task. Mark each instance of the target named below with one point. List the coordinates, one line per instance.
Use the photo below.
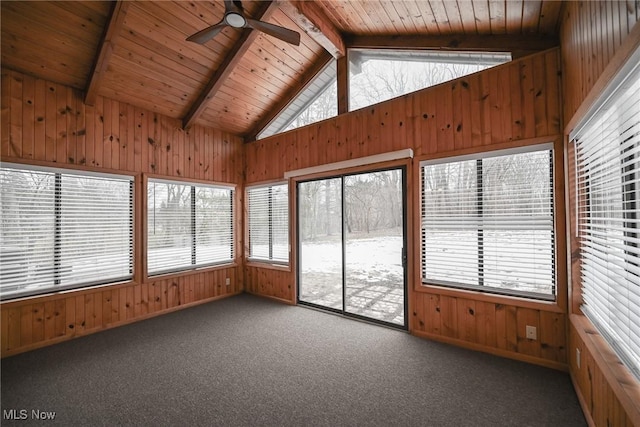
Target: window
(607, 148)
(188, 226)
(63, 229)
(487, 223)
(378, 75)
(318, 101)
(268, 218)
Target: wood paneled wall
(595, 39)
(591, 33)
(512, 102)
(270, 282)
(510, 105)
(48, 124)
(608, 396)
(35, 322)
(497, 328)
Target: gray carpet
(250, 361)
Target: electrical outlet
(578, 357)
(228, 281)
(532, 332)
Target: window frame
(357, 56)
(261, 260)
(149, 178)
(603, 270)
(493, 292)
(58, 174)
(317, 86)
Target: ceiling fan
(234, 17)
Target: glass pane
(518, 223)
(269, 223)
(26, 237)
(318, 101)
(280, 222)
(378, 75)
(374, 273)
(320, 237)
(214, 228)
(169, 233)
(323, 107)
(96, 228)
(450, 227)
(259, 222)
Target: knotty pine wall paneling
(595, 37)
(514, 104)
(591, 33)
(48, 124)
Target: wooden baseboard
(281, 300)
(495, 351)
(582, 401)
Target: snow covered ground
(518, 261)
(373, 271)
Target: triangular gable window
(318, 101)
(381, 74)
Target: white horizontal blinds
(187, 226)
(259, 218)
(214, 225)
(62, 230)
(169, 226)
(518, 222)
(268, 216)
(488, 224)
(280, 223)
(450, 223)
(608, 180)
(96, 230)
(27, 233)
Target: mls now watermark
(24, 414)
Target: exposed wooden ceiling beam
(311, 18)
(101, 62)
(518, 45)
(290, 96)
(230, 60)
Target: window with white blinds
(188, 226)
(608, 196)
(488, 223)
(63, 229)
(268, 219)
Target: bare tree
(385, 79)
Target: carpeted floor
(250, 361)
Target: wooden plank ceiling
(136, 52)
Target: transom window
(268, 223)
(376, 75)
(63, 229)
(488, 224)
(188, 226)
(318, 101)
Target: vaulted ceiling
(136, 52)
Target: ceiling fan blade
(233, 6)
(276, 31)
(207, 34)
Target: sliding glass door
(351, 240)
(320, 242)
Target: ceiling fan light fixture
(234, 17)
(235, 20)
